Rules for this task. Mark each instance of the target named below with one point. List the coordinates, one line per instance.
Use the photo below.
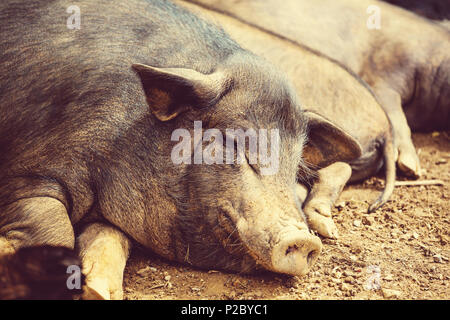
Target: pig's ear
(170, 91)
(327, 143)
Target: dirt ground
(399, 252)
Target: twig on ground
(419, 183)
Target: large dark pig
(86, 128)
(333, 92)
(406, 61)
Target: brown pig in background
(406, 60)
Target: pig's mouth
(290, 250)
(228, 234)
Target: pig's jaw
(222, 244)
(290, 249)
(210, 246)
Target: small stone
(353, 258)
(349, 279)
(143, 271)
(167, 278)
(437, 258)
(195, 289)
(338, 293)
(169, 285)
(388, 277)
(344, 287)
(368, 220)
(232, 295)
(405, 237)
(356, 250)
(336, 280)
(357, 223)
(390, 293)
(415, 235)
(152, 269)
(435, 134)
(441, 161)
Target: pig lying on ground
(333, 92)
(406, 61)
(86, 140)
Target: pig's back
(336, 28)
(58, 81)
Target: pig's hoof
(101, 289)
(408, 163)
(319, 207)
(322, 225)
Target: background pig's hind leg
(407, 160)
(104, 252)
(322, 197)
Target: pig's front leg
(104, 252)
(37, 240)
(407, 160)
(34, 221)
(323, 195)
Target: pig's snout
(296, 253)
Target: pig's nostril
(291, 249)
(311, 256)
(296, 253)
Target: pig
(406, 61)
(88, 115)
(334, 93)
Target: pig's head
(241, 215)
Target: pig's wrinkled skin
(85, 137)
(327, 89)
(406, 62)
